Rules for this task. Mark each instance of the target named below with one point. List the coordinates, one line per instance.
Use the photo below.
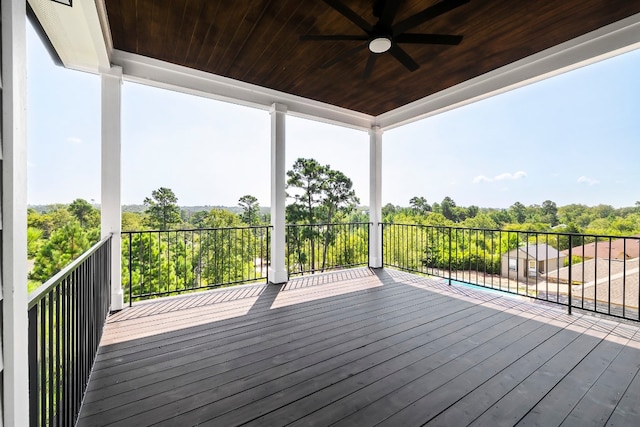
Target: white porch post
(375, 196)
(110, 205)
(277, 270)
(14, 371)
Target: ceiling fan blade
(403, 57)
(333, 37)
(389, 12)
(427, 14)
(350, 15)
(347, 53)
(428, 39)
(369, 67)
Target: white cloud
(74, 140)
(481, 178)
(503, 176)
(586, 180)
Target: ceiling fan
(385, 35)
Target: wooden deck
(362, 348)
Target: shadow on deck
(362, 348)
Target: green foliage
(132, 221)
(64, 245)
(573, 213)
(419, 205)
(197, 219)
(472, 211)
(447, 209)
(340, 245)
(34, 236)
(518, 212)
(183, 260)
(162, 209)
(308, 177)
(550, 212)
(227, 255)
(320, 193)
(219, 218)
(151, 270)
(357, 216)
(481, 249)
(321, 196)
(624, 226)
(49, 221)
(574, 260)
(527, 226)
(614, 225)
(172, 261)
(438, 219)
(85, 213)
(480, 221)
(388, 212)
(500, 216)
(57, 235)
(250, 210)
(338, 195)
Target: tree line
(547, 217)
(317, 194)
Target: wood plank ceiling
(258, 41)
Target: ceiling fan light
(380, 45)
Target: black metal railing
(161, 263)
(590, 272)
(66, 317)
(320, 247)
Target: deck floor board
(359, 347)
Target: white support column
(14, 368)
(110, 204)
(278, 270)
(375, 196)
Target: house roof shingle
(543, 251)
(608, 248)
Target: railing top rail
(245, 227)
(42, 290)
(599, 236)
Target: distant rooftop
(609, 249)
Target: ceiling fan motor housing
(380, 44)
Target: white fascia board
(76, 33)
(614, 39)
(101, 10)
(153, 72)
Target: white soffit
(606, 42)
(75, 33)
(614, 39)
(153, 72)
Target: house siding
(522, 259)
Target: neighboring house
(606, 280)
(623, 248)
(530, 261)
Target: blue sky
(574, 138)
